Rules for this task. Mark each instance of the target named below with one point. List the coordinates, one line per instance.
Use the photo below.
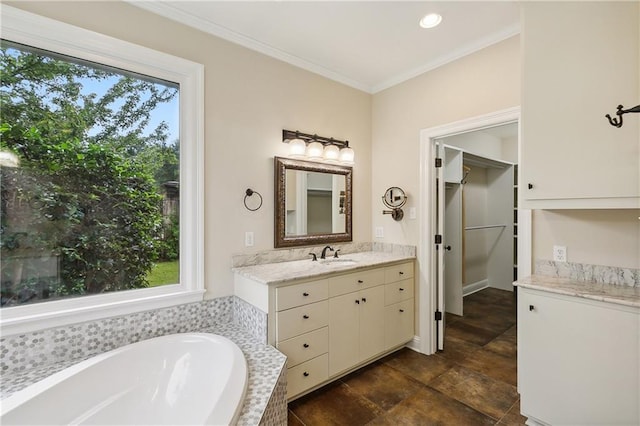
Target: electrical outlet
(560, 253)
(248, 239)
(379, 232)
(412, 212)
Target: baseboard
(414, 344)
(474, 287)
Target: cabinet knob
(401, 289)
(360, 281)
(306, 345)
(401, 310)
(364, 299)
(401, 273)
(530, 185)
(305, 294)
(305, 316)
(357, 301)
(305, 374)
(532, 308)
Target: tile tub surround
(621, 295)
(612, 275)
(30, 357)
(273, 273)
(287, 255)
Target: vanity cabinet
(577, 360)
(330, 326)
(580, 61)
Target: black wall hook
(617, 122)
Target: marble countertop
(618, 294)
(273, 273)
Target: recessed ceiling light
(431, 20)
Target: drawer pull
(305, 374)
(360, 281)
(364, 299)
(305, 294)
(305, 316)
(401, 273)
(532, 308)
(306, 345)
(401, 310)
(401, 289)
(357, 301)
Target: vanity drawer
(398, 272)
(302, 319)
(349, 283)
(307, 375)
(306, 346)
(301, 294)
(398, 291)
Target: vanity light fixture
(314, 147)
(430, 20)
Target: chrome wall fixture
(314, 147)
(617, 122)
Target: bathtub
(193, 379)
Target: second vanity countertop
(275, 273)
(618, 294)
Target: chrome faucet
(324, 252)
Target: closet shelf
(471, 228)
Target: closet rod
(470, 228)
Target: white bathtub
(190, 379)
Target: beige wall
(598, 237)
(483, 82)
(249, 99)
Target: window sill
(30, 318)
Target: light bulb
(315, 150)
(331, 153)
(297, 148)
(347, 155)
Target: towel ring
(248, 193)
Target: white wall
(249, 99)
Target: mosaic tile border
(601, 274)
(251, 319)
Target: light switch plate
(412, 212)
(379, 232)
(248, 239)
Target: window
(101, 163)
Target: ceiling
(368, 45)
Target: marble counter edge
(304, 269)
(625, 296)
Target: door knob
(447, 248)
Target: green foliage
(89, 175)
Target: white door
(452, 244)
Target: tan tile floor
(471, 382)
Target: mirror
(394, 198)
(312, 203)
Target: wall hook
(617, 122)
(248, 193)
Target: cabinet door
(572, 76)
(399, 323)
(371, 322)
(344, 312)
(577, 360)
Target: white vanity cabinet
(331, 325)
(578, 360)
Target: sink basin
(337, 262)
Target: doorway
(484, 150)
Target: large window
(100, 162)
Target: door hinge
(438, 162)
(438, 316)
(438, 239)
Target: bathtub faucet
(324, 252)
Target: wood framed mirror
(312, 203)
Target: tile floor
(471, 382)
